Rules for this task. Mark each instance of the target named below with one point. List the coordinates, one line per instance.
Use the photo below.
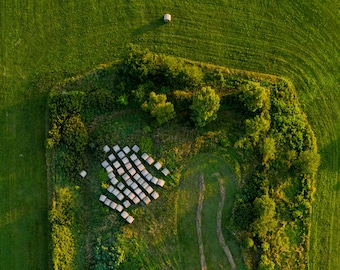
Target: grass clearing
(44, 42)
(206, 165)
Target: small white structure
(141, 167)
(155, 195)
(149, 189)
(126, 204)
(113, 205)
(116, 148)
(129, 182)
(161, 183)
(142, 196)
(124, 214)
(165, 171)
(126, 177)
(132, 196)
(119, 208)
(137, 177)
(145, 156)
(158, 166)
(141, 182)
(128, 166)
(144, 185)
(125, 160)
(109, 169)
(146, 200)
(120, 171)
(120, 196)
(133, 157)
(116, 164)
(120, 185)
(154, 180)
(114, 181)
(132, 172)
(150, 160)
(102, 198)
(148, 177)
(130, 219)
(107, 202)
(105, 164)
(112, 157)
(138, 191)
(136, 200)
(134, 185)
(83, 173)
(137, 162)
(145, 172)
(115, 192)
(111, 175)
(121, 154)
(135, 148)
(106, 148)
(127, 192)
(110, 188)
(167, 18)
(126, 149)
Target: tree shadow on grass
(149, 27)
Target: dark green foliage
(101, 100)
(248, 243)
(205, 105)
(255, 97)
(75, 135)
(105, 255)
(182, 99)
(308, 162)
(265, 212)
(65, 103)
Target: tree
(205, 105)
(255, 97)
(265, 211)
(161, 110)
(308, 161)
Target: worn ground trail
(199, 223)
(219, 229)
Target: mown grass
(208, 166)
(43, 42)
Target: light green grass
(206, 165)
(41, 39)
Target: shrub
(205, 105)
(75, 134)
(161, 110)
(63, 247)
(65, 103)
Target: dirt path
(199, 223)
(219, 229)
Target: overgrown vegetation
(271, 138)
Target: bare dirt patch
(219, 221)
(199, 223)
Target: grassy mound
(257, 117)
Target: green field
(43, 42)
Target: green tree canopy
(205, 105)
(265, 211)
(159, 108)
